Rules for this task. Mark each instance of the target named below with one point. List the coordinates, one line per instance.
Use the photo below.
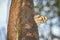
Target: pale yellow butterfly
(40, 19)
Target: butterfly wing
(40, 19)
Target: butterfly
(40, 19)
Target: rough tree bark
(15, 10)
(21, 21)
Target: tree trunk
(21, 21)
(15, 10)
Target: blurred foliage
(47, 4)
(50, 8)
(57, 3)
(59, 13)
